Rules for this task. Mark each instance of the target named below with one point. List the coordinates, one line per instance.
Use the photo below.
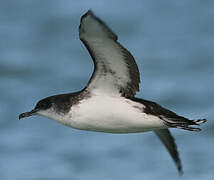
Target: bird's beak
(27, 114)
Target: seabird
(108, 103)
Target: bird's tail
(184, 123)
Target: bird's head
(41, 108)
(52, 107)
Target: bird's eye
(43, 104)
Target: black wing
(169, 142)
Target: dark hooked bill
(27, 114)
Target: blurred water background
(41, 55)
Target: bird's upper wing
(169, 142)
(115, 70)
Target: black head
(59, 104)
(43, 104)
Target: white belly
(111, 114)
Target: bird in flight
(108, 103)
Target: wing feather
(115, 70)
(169, 142)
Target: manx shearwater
(108, 103)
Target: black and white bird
(108, 103)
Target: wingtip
(180, 170)
(181, 173)
(88, 13)
(93, 26)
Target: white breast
(111, 114)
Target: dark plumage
(62, 103)
(170, 118)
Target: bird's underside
(108, 101)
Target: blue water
(41, 55)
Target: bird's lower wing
(169, 142)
